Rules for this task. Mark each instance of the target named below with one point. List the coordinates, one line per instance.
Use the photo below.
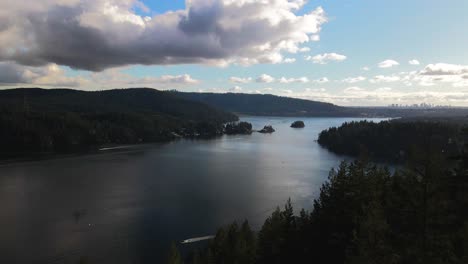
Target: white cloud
(304, 49)
(353, 89)
(265, 78)
(240, 80)
(52, 75)
(414, 62)
(294, 80)
(445, 69)
(235, 89)
(382, 78)
(365, 68)
(326, 58)
(100, 34)
(289, 60)
(315, 38)
(354, 79)
(322, 80)
(388, 64)
(322, 90)
(164, 79)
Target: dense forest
(395, 140)
(39, 120)
(266, 105)
(364, 214)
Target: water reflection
(126, 206)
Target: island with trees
(267, 130)
(298, 124)
(234, 128)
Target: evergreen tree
(174, 255)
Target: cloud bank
(99, 34)
(326, 58)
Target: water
(126, 206)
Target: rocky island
(267, 129)
(298, 124)
(234, 128)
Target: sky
(347, 52)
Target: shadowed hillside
(38, 120)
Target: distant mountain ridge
(272, 105)
(268, 105)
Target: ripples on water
(126, 206)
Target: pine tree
(174, 255)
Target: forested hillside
(395, 140)
(39, 120)
(268, 105)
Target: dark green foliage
(392, 141)
(298, 124)
(269, 105)
(232, 244)
(238, 128)
(37, 120)
(174, 255)
(267, 129)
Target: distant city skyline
(351, 53)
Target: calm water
(126, 206)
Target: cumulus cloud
(439, 74)
(365, 68)
(414, 62)
(265, 78)
(289, 60)
(315, 37)
(382, 78)
(354, 79)
(164, 79)
(293, 80)
(326, 58)
(353, 89)
(382, 96)
(99, 34)
(322, 80)
(52, 75)
(240, 80)
(235, 89)
(48, 75)
(444, 69)
(388, 64)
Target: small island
(267, 129)
(298, 124)
(235, 128)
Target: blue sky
(431, 33)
